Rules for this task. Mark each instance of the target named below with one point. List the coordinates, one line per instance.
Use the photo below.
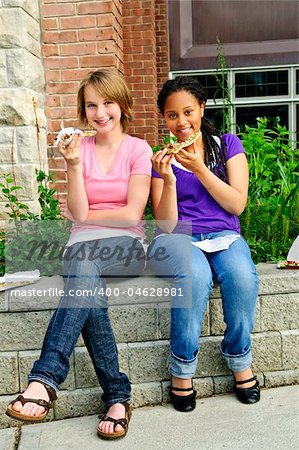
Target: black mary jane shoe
(186, 403)
(248, 395)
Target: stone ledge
(141, 329)
(272, 281)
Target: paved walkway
(219, 422)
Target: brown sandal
(123, 422)
(25, 418)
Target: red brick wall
(139, 33)
(162, 48)
(79, 36)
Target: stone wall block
(203, 386)
(280, 312)
(9, 377)
(34, 72)
(16, 107)
(210, 361)
(277, 281)
(134, 323)
(3, 301)
(25, 177)
(47, 286)
(8, 437)
(30, 6)
(7, 141)
(24, 69)
(147, 361)
(81, 402)
(10, 21)
(164, 322)
(84, 371)
(27, 145)
(266, 350)
(26, 360)
(146, 394)
(23, 331)
(32, 35)
(217, 322)
(3, 69)
(15, 67)
(290, 349)
(225, 384)
(281, 378)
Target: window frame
(291, 99)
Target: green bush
(32, 241)
(270, 220)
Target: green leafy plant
(49, 204)
(223, 91)
(32, 241)
(16, 209)
(270, 220)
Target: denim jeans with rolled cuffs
(86, 266)
(234, 271)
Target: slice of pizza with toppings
(175, 147)
(66, 134)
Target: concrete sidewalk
(219, 422)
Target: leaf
(14, 188)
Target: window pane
(215, 115)
(261, 84)
(248, 115)
(212, 84)
(297, 82)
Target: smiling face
(183, 114)
(102, 113)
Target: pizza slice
(175, 147)
(66, 134)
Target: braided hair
(214, 154)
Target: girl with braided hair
(203, 186)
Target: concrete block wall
(141, 326)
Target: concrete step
(141, 325)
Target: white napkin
(214, 245)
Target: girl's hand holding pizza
(190, 158)
(71, 152)
(162, 165)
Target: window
(271, 92)
(261, 84)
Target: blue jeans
(85, 267)
(192, 272)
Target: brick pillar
(162, 45)
(139, 47)
(77, 37)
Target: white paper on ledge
(17, 279)
(214, 245)
(32, 275)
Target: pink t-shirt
(109, 191)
